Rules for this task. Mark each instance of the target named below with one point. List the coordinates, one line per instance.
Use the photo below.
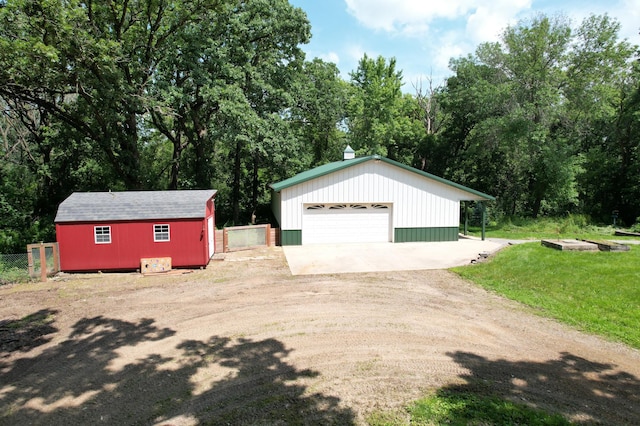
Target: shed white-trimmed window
(102, 234)
(161, 233)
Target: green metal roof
(339, 165)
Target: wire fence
(244, 237)
(14, 268)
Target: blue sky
(424, 34)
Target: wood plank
(627, 233)
(609, 245)
(570, 245)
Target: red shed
(99, 231)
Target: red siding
(131, 241)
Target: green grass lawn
(463, 408)
(532, 229)
(459, 408)
(455, 408)
(597, 292)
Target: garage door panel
(346, 223)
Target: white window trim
(102, 234)
(156, 232)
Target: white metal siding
(417, 200)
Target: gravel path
(244, 342)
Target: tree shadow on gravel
(26, 333)
(579, 389)
(262, 388)
(95, 377)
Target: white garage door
(346, 223)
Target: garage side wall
(423, 209)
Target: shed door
(346, 223)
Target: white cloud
(405, 15)
(414, 17)
(628, 13)
(427, 34)
(486, 23)
(330, 57)
(355, 52)
(446, 29)
(446, 46)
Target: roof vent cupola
(349, 153)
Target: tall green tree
(17, 185)
(601, 91)
(36, 174)
(89, 65)
(534, 57)
(428, 151)
(161, 93)
(264, 47)
(381, 119)
(320, 110)
(519, 110)
(374, 104)
(612, 157)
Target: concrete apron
(378, 257)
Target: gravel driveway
(245, 342)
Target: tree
(534, 58)
(89, 65)
(320, 110)
(519, 110)
(35, 173)
(380, 119)
(374, 105)
(180, 82)
(17, 186)
(429, 113)
(602, 97)
(612, 157)
(472, 148)
(264, 49)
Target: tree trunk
(235, 191)
(537, 204)
(130, 170)
(201, 165)
(255, 183)
(175, 166)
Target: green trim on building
(317, 172)
(339, 165)
(409, 235)
(290, 237)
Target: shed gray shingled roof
(134, 205)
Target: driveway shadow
(85, 380)
(26, 333)
(582, 390)
(264, 389)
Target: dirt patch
(244, 342)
